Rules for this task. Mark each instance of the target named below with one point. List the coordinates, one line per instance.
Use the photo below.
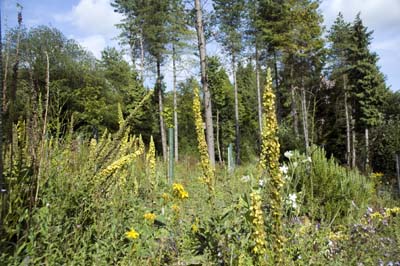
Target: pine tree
(151, 18)
(229, 15)
(366, 82)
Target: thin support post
(231, 162)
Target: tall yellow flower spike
(258, 234)
(202, 145)
(151, 162)
(269, 163)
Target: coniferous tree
(229, 15)
(366, 82)
(152, 18)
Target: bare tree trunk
(305, 119)
(293, 111)
(204, 81)
(293, 108)
(141, 55)
(353, 142)
(237, 129)
(366, 166)
(4, 89)
(43, 140)
(277, 93)
(33, 145)
(161, 110)
(348, 132)
(13, 93)
(259, 107)
(218, 143)
(176, 146)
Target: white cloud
(377, 14)
(92, 17)
(392, 44)
(94, 44)
(381, 16)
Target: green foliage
(222, 103)
(329, 191)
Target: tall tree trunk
(161, 110)
(141, 55)
(304, 115)
(293, 108)
(34, 139)
(293, 111)
(44, 131)
(13, 93)
(259, 106)
(204, 81)
(277, 93)
(4, 89)
(237, 130)
(366, 166)
(218, 143)
(175, 103)
(353, 141)
(348, 132)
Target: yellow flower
(269, 164)
(149, 217)
(179, 191)
(195, 225)
(151, 162)
(393, 211)
(132, 234)
(208, 171)
(256, 214)
(166, 197)
(175, 208)
(377, 216)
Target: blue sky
(91, 23)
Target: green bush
(329, 191)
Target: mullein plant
(258, 235)
(269, 163)
(151, 163)
(208, 171)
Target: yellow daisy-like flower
(132, 234)
(149, 217)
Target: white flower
(245, 178)
(284, 169)
(295, 164)
(292, 199)
(309, 159)
(288, 154)
(261, 182)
